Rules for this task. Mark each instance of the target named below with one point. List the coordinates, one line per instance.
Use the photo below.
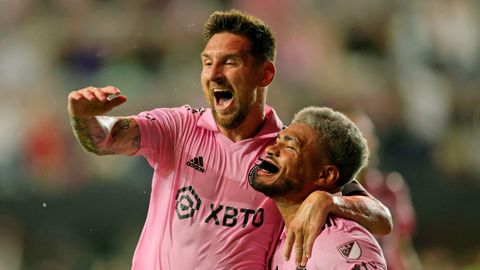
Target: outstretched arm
(98, 134)
(312, 214)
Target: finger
(100, 95)
(74, 96)
(298, 248)
(298, 245)
(289, 244)
(88, 94)
(307, 249)
(110, 90)
(117, 101)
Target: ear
(268, 73)
(328, 176)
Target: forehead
(300, 133)
(226, 43)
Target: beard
(236, 118)
(231, 121)
(275, 190)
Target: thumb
(117, 101)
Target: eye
(206, 61)
(291, 148)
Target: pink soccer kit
(203, 214)
(343, 244)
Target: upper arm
(346, 247)
(364, 208)
(124, 136)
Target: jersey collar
(272, 125)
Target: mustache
(214, 85)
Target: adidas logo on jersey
(197, 164)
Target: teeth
(220, 90)
(222, 95)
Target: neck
(288, 210)
(250, 126)
(288, 207)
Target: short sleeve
(354, 188)
(346, 247)
(160, 131)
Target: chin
(227, 121)
(269, 187)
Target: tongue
(223, 103)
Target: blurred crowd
(413, 66)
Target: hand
(92, 101)
(307, 225)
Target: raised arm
(359, 206)
(102, 135)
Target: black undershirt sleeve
(354, 188)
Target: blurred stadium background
(412, 65)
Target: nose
(216, 73)
(272, 150)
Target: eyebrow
(226, 56)
(289, 138)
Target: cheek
(206, 93)
(294, 168)
(203, 77)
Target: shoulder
(185, 110)
(171, 115)
(344, 242)
(193, 110)
(337, 228)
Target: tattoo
(104, 135)
(86, 131)
(91, 133)
(107, 151)
(124, 123)
(136, 142)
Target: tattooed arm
(103, 135)
(98, 134)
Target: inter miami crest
(252, 173)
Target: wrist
(327, 200)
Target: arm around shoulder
(364, 209)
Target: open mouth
(268, 166)
(223, 98)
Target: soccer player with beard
(203, 214)
(320, 150)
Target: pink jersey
(203, 214)
(342, 245)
